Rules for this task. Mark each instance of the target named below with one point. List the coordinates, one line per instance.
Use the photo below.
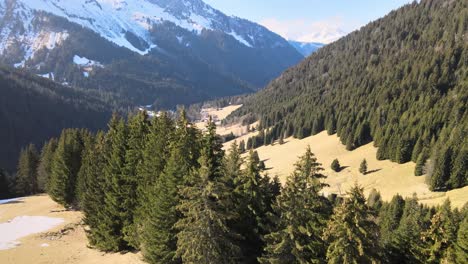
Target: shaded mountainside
(401, 81)
(150, 51)
(33, 109)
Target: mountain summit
(176, 41)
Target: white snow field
(22, 226)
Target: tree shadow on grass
(372, 171)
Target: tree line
(399, 81)
(166, 188)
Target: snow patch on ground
(49, 75)
(240, 39)
(85, 62)
(22, 226)
(10, 200)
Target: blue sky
(309, 20)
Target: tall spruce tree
(45, 164)
(441, 234)
(204, 236)
(26, 175)
(461, 245)
(92, 200)
(301, 213)
(159, 237)
(352, 234)
(154, 158)
(137, 131)
(65, 166)
(114, 211)
(408, 235)
(5, 191)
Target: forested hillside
(401, 81)
(33, 109)
(169, 190)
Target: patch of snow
(85, 62)
(49, 75)
(180, 39)
(22, 226)
(44, 245)
(10, 200)
(240, 39)
(86, 74)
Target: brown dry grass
(69, 247)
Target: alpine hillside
(33, 109)
(161, 52)
(401, 81)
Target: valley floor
(65, 243)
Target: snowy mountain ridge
(116, 20)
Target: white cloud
(324, 31)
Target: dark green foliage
(65, 166)
(363, 167)
(375, 200)
(154, 158)
(461, 245)
(459, 171)
(440, 175)
(441, 234)
(408, 247)
(301, 214)
(420, 164)
(336, 165)
(26, 175)
(204, 236)
(35, 109)
(5, 191)
(159, 237)
(45, 164)
(137, 131)
(351, 233)
(400, 81)
(242, 146)
(92, 197)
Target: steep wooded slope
(401, 81)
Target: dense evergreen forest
(400, 81)
(167, 189)
(33, 109)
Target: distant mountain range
(161, 52)
(306, 48)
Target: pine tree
(336, 165)
(154, 158)
(363, 167)
(461, 245)
(45, 164)
(137, 131)
(459, 173)
(65, 166)
(26, 176)
(204, 236)
(159, 238)
(408, 235)
(351, 233)
(441, 174)
(389, 220)
(242, 146)
(441, 234)
(420, 164)
(301, 214)
(375, 200)
(114, 213)
(92, 199)
(5, 191)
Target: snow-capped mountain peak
(117, 20)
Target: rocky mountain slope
(165, 52)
